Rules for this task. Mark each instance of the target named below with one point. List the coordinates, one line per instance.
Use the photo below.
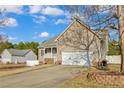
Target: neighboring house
(57, 50)
(17, 56)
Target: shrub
(103, 65)
(104, 62)
(8, 62)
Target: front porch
(49, 55)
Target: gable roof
(82, 24)
(17, 52)
(52, 41)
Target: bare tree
(91, 16)
(103, 17)
(118, 24)
(3, 38)
(121, 34)
(3, 22)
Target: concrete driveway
(49, 77)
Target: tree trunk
(121, 34)
(102, 51)
(104, 46)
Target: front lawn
(11, 66)
(81, 81)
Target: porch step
(49, 61)
(58, 62)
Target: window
(54, 50)
(47, 50)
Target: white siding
(6, 57)
(31, 56)
(18, 59)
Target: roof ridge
(18, 52)
(17, 49)
(27, 52)
(88, 28)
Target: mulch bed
(107, 78)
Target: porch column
(53, 56)
(44, 55)
(51, 53)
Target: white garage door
(75, 58)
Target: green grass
(81, 81)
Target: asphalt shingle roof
(49, 42)
(16, 52)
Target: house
(77, 45)
(17, 56)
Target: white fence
(32, 62)
(115, 59)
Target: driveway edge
(29, 69)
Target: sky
(34, 23)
